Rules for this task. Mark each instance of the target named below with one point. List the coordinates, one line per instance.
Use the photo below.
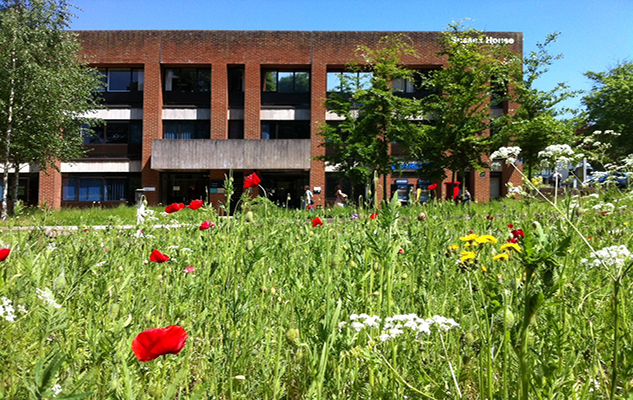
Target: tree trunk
(7, 153)
(15, 185)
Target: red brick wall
(50, 188)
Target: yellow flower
(484, 269)
(500, 257)
(467, 255)
(453, 247)
(486, 239)
(510, 246)
(469, 238)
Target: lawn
(506, 300)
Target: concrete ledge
(201, 154)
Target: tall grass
(274, 309)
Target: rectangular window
(236, 79)
(286, 81)
(122, 79)
(189, 80)
(187, 129)
(236, 129)
(94, 189)
(69, 189)
(348, 81)
(403, 85)
(115, 132)
(285, 130)
(90, 189)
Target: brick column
(50, 188)
(152, 127)
(219, 101)
(509, 174)
(317, 117)
(480, 185)
(252, 101)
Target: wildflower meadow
(509, 300)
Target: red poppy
(513, 240)
(251, 181)
(490, 217)
(316, 222)
(158, 257)
(195, 204)
(206, 225)
(518, 233)
(433, 186)
(510, 226)
(172, 208)
(152, 343)
(190, 269)
(401, 251)
(4, 253)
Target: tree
(374, 116)
(459, 110)
(610, 106)
(536, 123)
(46, 89)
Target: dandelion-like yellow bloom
(484, 269)
(469, 238)
(510, 246)
(453, 247)
(500, 257)
(486, 239)
(467, 255)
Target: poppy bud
(292, 335)
(249, 245)
(249, 216)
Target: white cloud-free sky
(595, 35)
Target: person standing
(341, 198)
(308, 199)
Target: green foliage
(374, 116)
(46, 89)
(610, 106)
(460, 110)
(537, 122)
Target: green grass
(264, 307)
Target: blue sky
(595, 34)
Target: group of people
(308, 198)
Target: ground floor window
(98, 188)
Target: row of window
(198, 80)
(131, 132)
(94, 189)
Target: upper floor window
(184, 129)
(122, 79)
(286, 81)
(404, 85)
(236, 79)
(115, 132)
(416, 85)
(348, 81)
(285, 130)
(192, 80)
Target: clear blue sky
(595, 34)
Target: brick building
(185, 107)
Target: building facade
(183, 108)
